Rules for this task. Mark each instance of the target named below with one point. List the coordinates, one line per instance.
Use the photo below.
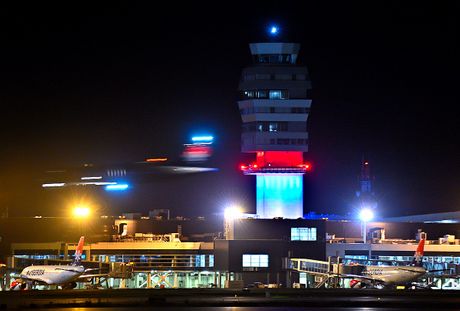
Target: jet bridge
(316, 270)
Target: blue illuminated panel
(279, 195)
(117, 187)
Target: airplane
(65, 276)
(121, 176)
(389, 276)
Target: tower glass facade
(279, 195)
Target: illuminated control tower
(274, 108)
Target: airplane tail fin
(79, 251)
(419, 253)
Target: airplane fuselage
(394, 274)
(52, 274)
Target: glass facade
(270, 94)
(273, 59)
(303, 234)
(255, 260)
(279, 126)
(252, 110)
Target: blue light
(117, 187)
(207, 139)
(274, 30)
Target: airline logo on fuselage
(373, 271)
(35, 272)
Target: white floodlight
(366, 214)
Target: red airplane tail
(419, 252)
(79, 251)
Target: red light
(305, 166)
(243, 167)
(254, 166)
(156, 159)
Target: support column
(149, 280)
(66, 251)
(219, 278)
(175, 280)
(122, 283)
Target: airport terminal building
(255, 250)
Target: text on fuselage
(35, 272)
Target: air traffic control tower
(274, 108)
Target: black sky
(117, 82)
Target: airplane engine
(16, 285)
(70, 285)
(354, 283)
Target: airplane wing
(86, 277)
(92, 269)
(358, 277)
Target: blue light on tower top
(274, 30)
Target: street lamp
(230, 214)
(366, 215)
(81, 212)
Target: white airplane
(65, 276)
(388, 276)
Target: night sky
(119, 82)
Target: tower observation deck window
(266, 126)
(283, 76)
(272, 59)
(263, 76)
(249, 94)
(251, 110)
(278, 94)
(301, 77)
(264, 94)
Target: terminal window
(255, 260)
(200, 261)
(303, 234)
(211, 260)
